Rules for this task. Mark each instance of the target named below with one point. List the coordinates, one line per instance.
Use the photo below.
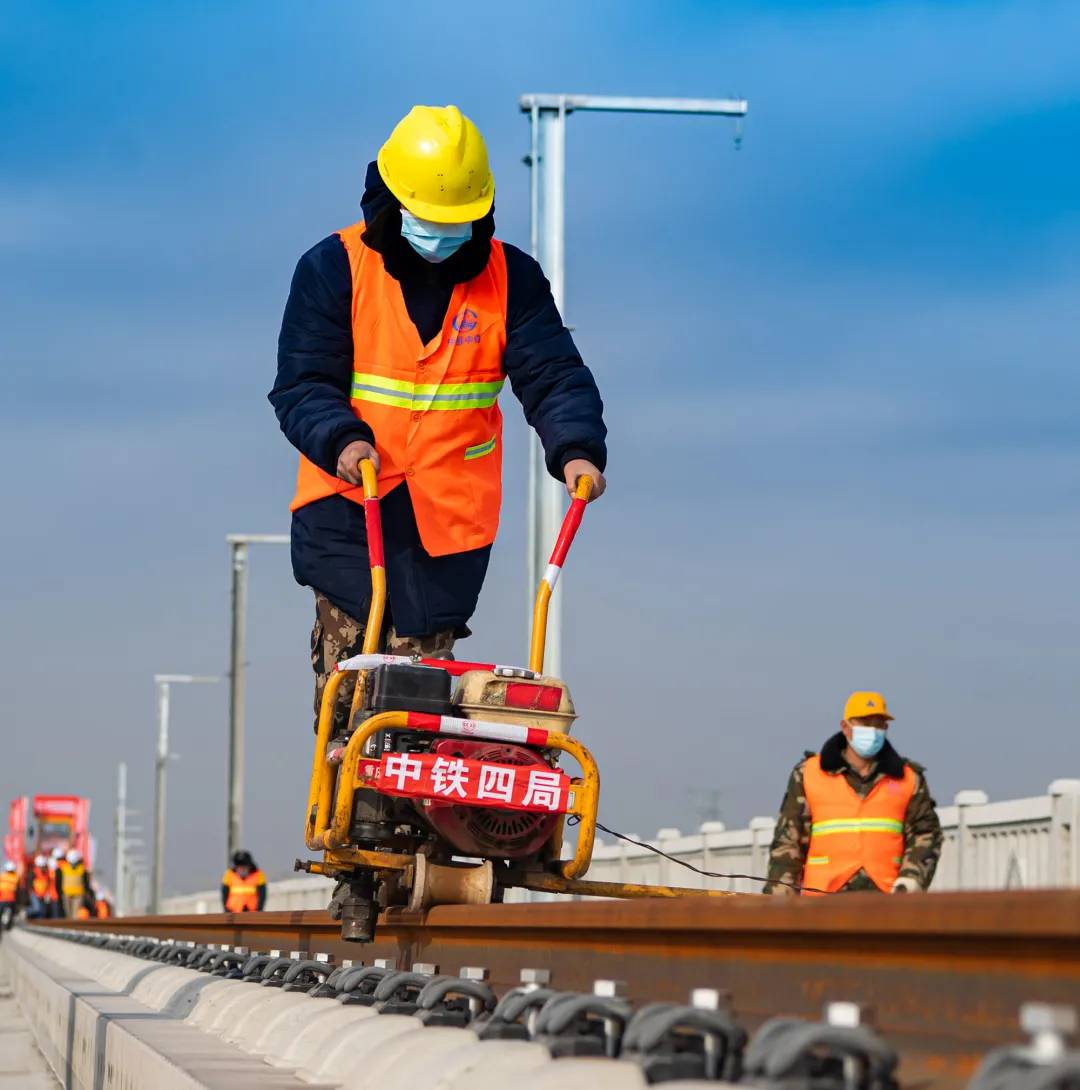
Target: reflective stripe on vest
(849, 833)
(433, 407)
(856, 825)
(423, 396)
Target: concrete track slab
(22, 1066)
(93, 1033)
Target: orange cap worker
(857, 815)
(398, 335)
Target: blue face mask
(434, 242)
(867, 741)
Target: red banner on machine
(474, 783)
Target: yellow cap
(861, 704)
(436, 164)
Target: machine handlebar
(373, 523)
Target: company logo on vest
(464, 324)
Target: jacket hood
(382, 217)
(888, 760)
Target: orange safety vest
(9, 883)
(243, 892)
(433, 408)
(41, 882)
(849, 833)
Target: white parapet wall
(1012, 844)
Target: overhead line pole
(161, 761)
(238, 544)
(121, 847)
(547, 235)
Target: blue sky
(839, 365)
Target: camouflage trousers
(335, 636)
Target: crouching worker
(243, 886)
(856, 816)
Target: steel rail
(945, 974)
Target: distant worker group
(857, 815)
(56, 886)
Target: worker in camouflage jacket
(857, 815)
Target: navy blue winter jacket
(311, 399)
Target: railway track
(944, 974)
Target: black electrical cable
(794, 886)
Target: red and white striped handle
(570, 526)
(478, 728)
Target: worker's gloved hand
(348, 463)
(905, 885)
(581, 467)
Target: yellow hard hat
(436, 164)
(860, 704)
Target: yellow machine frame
(328, 817)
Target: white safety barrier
(1013, 844)
(105, 1020)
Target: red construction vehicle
(38, 824)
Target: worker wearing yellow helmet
(856, 815)
(398, 335)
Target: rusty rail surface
(944, 973)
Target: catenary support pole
(238, 546)
(547, 161)
(237, 644)
(547, 496)
(121, 846)
(161, 764)
(161, 760)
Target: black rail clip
(451, 1001)
(1046, 1063)
(842, 1052)
(700, 1040)
(571, 1024)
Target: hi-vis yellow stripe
(817, 860)
(480, 449)
(417, 395)
(856, 825)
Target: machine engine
(484, 832)
(465, 830)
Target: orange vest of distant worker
(9, 883)
(849, 833)
(433, 407)
(243, 893)
(41, 883)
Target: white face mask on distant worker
(434, 242)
